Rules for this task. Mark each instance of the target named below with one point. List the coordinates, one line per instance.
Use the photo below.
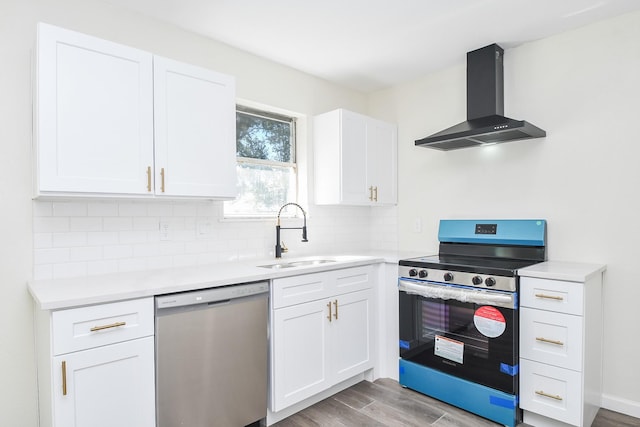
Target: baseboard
(618, 404)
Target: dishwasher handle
(211, 296)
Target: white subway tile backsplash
(117, 251)
(45, 224)
(102, 267)
(43, 272)
(117, 224)
(70, 269)
(102, 209)
(50, 256)
(76, 238)
(132, 209)
(80, 238)
(42, 240)
(69, 209)
(85, 224)
(42, 209)
(87, 253)
(102, 238)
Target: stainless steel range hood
(486, 123)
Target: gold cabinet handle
(547, 340)
(335, 314)
(375, 192)
(544, 296)
(64, 378)
(162, 180)
(112, 325)
(550, 396)
(371, 193)
(149, 179)
(329, 316)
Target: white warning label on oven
(489, 321)
(449, 349)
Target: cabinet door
(106, 386)
(195, 137)
(351, 335)
(353, 168)
(381, 161)
(94, 115)
(299, 353)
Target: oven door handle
(477, 296)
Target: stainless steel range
(459, 314)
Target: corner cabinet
(322, 332)
(561, 343)
(355, 159)
(118, 121)
(96, 365)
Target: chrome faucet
(279, 249)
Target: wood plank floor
(386, 403)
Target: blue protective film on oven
(529, 232)
(509, 369)
(502, 402)
(404, 344)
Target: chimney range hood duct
(485, 122)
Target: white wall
(583, 88)
(86, 237)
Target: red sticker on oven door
(489, 321)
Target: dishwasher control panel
(211, 295)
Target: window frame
(291, 119)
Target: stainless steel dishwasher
(211, 357)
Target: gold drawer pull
(329, 316)
(64, 378)
(547, 340)
(550, 396)
(375, 193)
(335, 303)
(371, 193)
(162, 180)
(549, 297)
(112, 325)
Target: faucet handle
(284, 247)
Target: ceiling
(369, 45)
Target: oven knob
(422, 274)
(413, 272)
(448, 277)
(477, 280)
(490, 281)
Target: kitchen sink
(300, 263)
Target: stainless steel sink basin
(301, 263)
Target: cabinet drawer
(309, 287)
(551, 391)
(552, 295)
(553, 338)
(299, 289)
(87, 327)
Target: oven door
(466, 332)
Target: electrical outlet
(164, 230)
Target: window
(267, 175)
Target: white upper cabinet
(94, 115)
(194, 123)
(355, 159)
(98, 105)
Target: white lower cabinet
(96, 365)
(318, 343)
(106, 386)
(560, 344)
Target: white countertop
(561, 270)
(65, 293)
